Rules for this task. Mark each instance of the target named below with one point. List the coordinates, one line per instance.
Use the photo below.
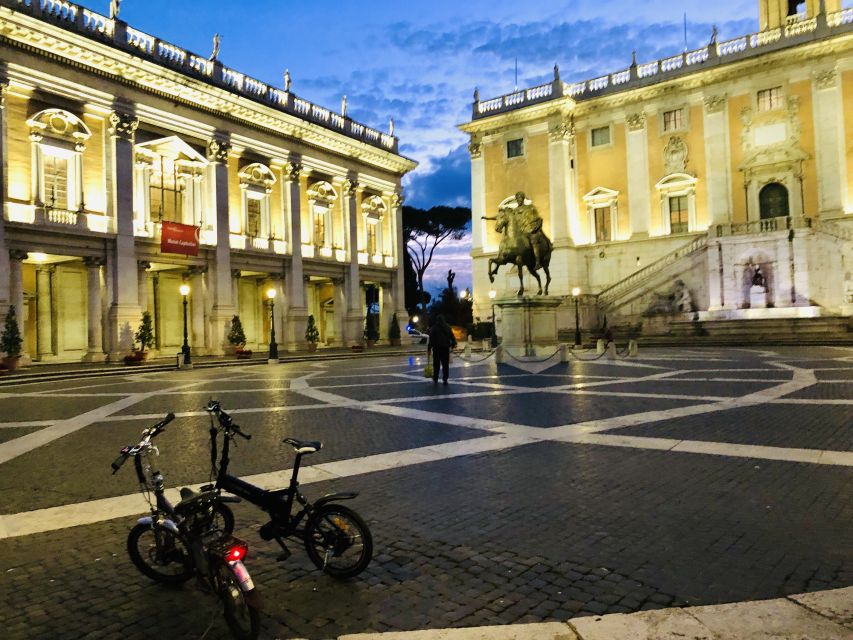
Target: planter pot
(371, 344)
(396, 342)
(11, 363)
(243, 355)
(312, 347)
(357, 348)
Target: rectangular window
(673, 120)
(770, 99)
(600, 136)
(56, 181)
(678, 214)
(166, 191)
(602, 224)
(371, 239)
(253, 217)
(515, 148)
(319, 228)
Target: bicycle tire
(223, 517)
(163, 550)
(239, 608)
(332, 531)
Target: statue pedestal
(757, 297)
(529, 325)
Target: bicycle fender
(332, 497)
(168, 524)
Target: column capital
(236, 273)
(94, 262)
(143, 265)
(397, 200)
(636, 121)
(217, 150)
(4, 86)
(826, 79)
(123, 124)
(562, 131)
(196, 271)
(15, 254)
(292, 170)
(475, 149)
(349, 188)
(715, 103)
(337, 281)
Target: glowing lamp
(185, 289)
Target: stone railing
(767, 225)
(61, 216)
(798, 29)
(122, 36)
(638, 278)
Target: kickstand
(285, 552)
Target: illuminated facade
(699, 167)
(109, 133)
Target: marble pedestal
(529, 325)
(757, 298)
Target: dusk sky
(419, 62)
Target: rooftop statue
(217, 39)
(523, 243)
(115, 8)
(287, 79)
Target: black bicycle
(336, 538)
(189, 539)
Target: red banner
(179, 238)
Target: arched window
(602, 214)
(321, 199)
(59, 139)
(773, 201)
(678, 203)
(373, 208)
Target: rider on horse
(531, 225)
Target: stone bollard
(468, 349)
(611, 350)
(633, 348)
(565, 354)
(499, 354)
(599, 346)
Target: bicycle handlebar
(225, 420)
(148, 434)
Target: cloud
(448, 182)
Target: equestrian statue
(523, 243)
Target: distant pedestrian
(441, 341)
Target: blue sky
(420, 61)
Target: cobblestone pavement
(682, 477)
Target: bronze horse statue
(517, 248)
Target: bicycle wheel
(159, 554)
(338, 541)
(223, 518)
(240, 610)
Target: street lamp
(492, 295)
(273, 356)
(576, 292)
(185, 350)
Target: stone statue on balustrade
(676, 300)
(217, 40)
(115, 8)
(523, 243)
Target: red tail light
(237, 552)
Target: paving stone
(777, 619)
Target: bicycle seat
(187, 493)
(304, 446)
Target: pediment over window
(373, 206)
(173, 148)
(322, 190)
(601, 194)
(257, 174)
(676, 181)
(783, 156)
(58, 123)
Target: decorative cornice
(123, 125)
(636, 121)
(715, 103)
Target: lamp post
(494, 341)
(185, 350)
(273, 356)
(576, 292)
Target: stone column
(44, 313)
(560, 175)
(386, 312)
(717, 163)
(221, 280)
(639, 198)
(398, 288)
(94, 317)
(478, 195)
(16, 296)
(235, 290)
(354, 324)
(340, 312)
(195, 276)
(830, 151)
(5, 264)
(124, 310)
(142, 278)
(297, 311)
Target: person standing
(441, 341)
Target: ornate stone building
(699, 168)
(113, 141)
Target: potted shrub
(394, 332)
(10, 341)
(237, 339)
(312, 334)
(371, 333)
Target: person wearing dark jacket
(441, 341)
